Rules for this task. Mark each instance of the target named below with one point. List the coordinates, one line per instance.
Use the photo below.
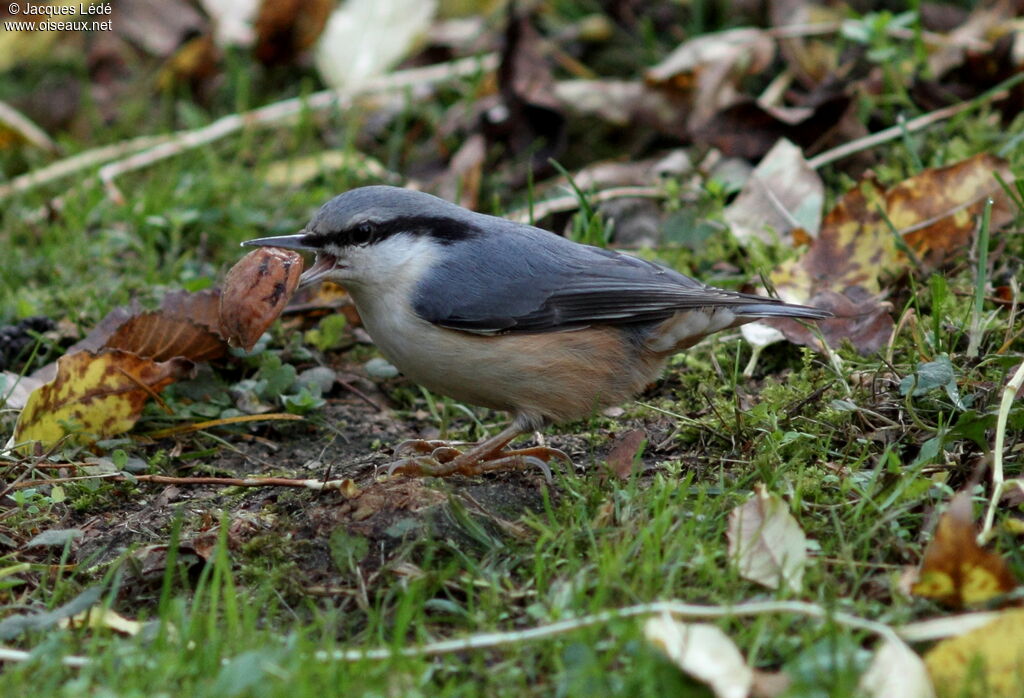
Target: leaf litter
(873, 236)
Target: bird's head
(368, 235)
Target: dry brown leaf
(201, 307)
(186, 326)
(622, 458)
(984, 663)
(708, 69)
(985, 23)
(102, 393)
(195, 63)
(936, 212)
(955, 570)
(148, 565)
(156, 336)
(749, 129)
(528, 123)
(286, 28)
(324, 297)
(813, 60)
(157, 27)
(462, 180)
(256, 290)
(624, 103)
(862, 319)
(766, 542)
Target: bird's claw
(440, 451)
(416, 465)
(545, 454)
(446, 465)
(411, 447)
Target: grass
(220, 642)
(863, 471)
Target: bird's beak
(288, 242)
(323, 265)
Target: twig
(571, 202)
(998, 483)
(921, 122)
(51, 450)
(345, 485)
(360, 394)
(945, 626)
(797, 31)
(182, 141)
(9, 654)
(77, 163)
(675, 608)
(24, 127)
(199, 426)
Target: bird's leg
(440, 460)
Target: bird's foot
(436, 459)
(441, 451)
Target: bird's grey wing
(525, 279)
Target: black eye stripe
(442, 229)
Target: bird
(508, 316)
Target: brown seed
(256, 290)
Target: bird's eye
(362, 234)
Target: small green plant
(329, 334)
(305, 401)
(31, 501)
(878, 32)
(277, 381)
(588, 226)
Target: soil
(320, 543)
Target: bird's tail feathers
(780, 310)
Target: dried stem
(345, 485)
(277, 112)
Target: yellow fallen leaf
(933, 214)
(298, 171)
(955, 570)
(101, 394)
(25, 44)
(873, 233)
(987, 662)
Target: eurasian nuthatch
(509, 316)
